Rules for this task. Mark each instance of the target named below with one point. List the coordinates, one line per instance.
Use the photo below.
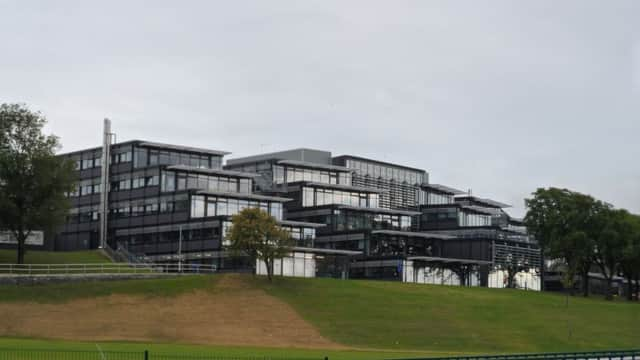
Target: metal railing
(104, 268)
(593, 355)
(98, 354)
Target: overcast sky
(498, 96)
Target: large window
(318, 197)
(472, 219)
(431, 198)
(206, 206)
(172, 181)
(376, 170)
(290, 174)
(343, 220)
(149, 157)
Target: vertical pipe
(104, 181)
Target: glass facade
(176, 180)
(284, 174)
(473, 219)
(388, 172)
(432, 198)
(345, 219)
(318, 196)
(207, 205)
(143, 157)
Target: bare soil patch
(234, 313)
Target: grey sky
(498, 96)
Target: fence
(594, 355)
(104, 268)
(32, 354)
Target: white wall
(296, 264)
(529, 280)
(432, 275)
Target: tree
(630, 263)
(546, 221)
(610, 244)
(33, 181)
(560, 221)
(257, 234)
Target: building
(405, 228)
(166, 203)
(351, 216)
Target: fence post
(146, 355)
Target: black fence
(33, 354)
(594, 355)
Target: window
(197, 206)
(204, 162)
(278, 174)
(140, 158)
(182, 181)
(307, 197)
(245, 186)
(168, 181)
(211, 207)
(152, 180)
(276, 210)
(137, 182)
(87, 164)
(153, 157)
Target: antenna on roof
(469, 192)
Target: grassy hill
(54, 257)
(392, 319)
(393, 315)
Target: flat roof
(442, 189)
(212, 171)
(378, 210)
(183, 148)
(243, 196)
(150, 144)
(449, 260)
(313, 165)
(346, 156)
(339, 187)
(426, 235)
(488, 202)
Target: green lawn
(55, 257)
(393, 315)
(390, 319)
(221, 351)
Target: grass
(386, 319)
(55, 257)
(393, 315)
(221, 351)
(61, 292)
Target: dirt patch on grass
(233, 313)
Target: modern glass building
(351, 216)
(164, 199)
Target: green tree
(610, 244)
(33, 181)
(546, 220)
(559, 219)
(257, 234)
(630, 263)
